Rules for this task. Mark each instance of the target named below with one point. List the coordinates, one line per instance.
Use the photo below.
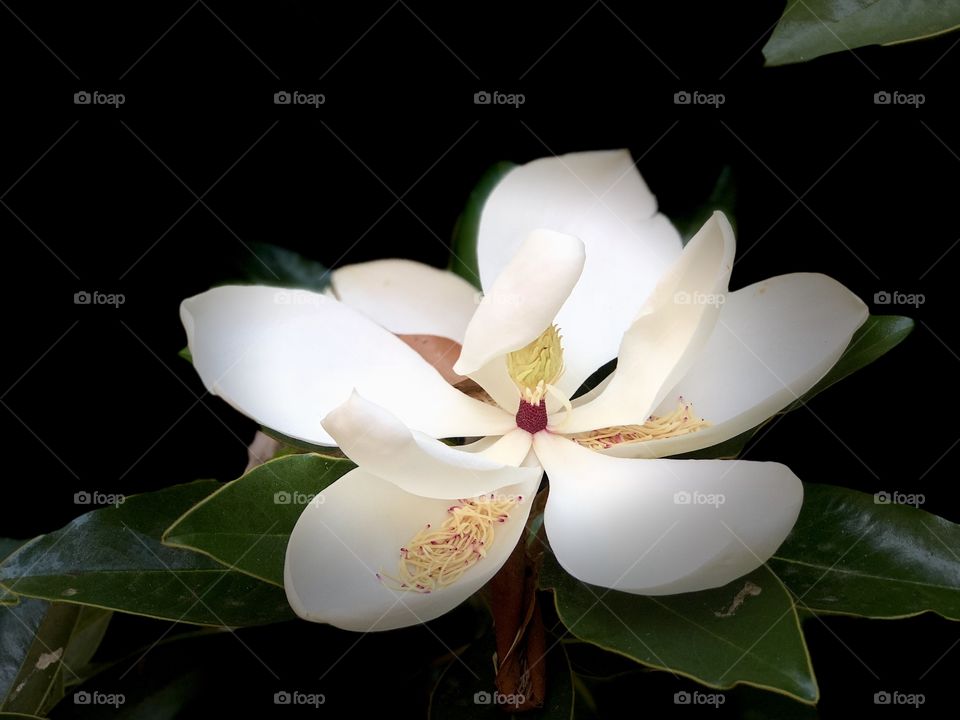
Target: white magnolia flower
(574, 243)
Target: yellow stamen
(680, 422)
(436, 558)
(535, 367)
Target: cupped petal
(600, 198)
(659, 527)
(664, 341)
(380, 444)
(287, 357)
(773, 341)
(407, 297)
(340, 544)
(524, 299)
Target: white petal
(624, 524)
(382, 445)
(494, 378)
(339, 544)
(524, 299)
(664, 341)
(288, 357)
(774, 340)
(407, 297)
(600, 198)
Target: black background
(97, 198)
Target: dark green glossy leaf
(760, 643)
(246, 524)
(33, 637)
(850, 553)
(7, 547)
(876, 337)
(813, 28)
(465, 690)
(267, 264)
(113, 558)
(722, 197)
(463, 260)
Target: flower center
(436, 558)
(535, 367)
(680, 422)
(532, 418)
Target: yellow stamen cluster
(680, 422)
(535, 367)
(435, 558)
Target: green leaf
(849, 554)
(722, 197)
(34, 637)
(813, 28)
(7, 548)
(113, 558)
(268, 264)
(705, 636)
(463, 260)
(875, 338)
(246, 524)
(186, 355)
(469, 680)
(88, 633)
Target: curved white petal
(407, 297)
(774, 340)
(380, 444)
(664, 341)
(288, 357)
(600, 198)
(659, 527)
(338, 545)
(524, 299)
(494, 378)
